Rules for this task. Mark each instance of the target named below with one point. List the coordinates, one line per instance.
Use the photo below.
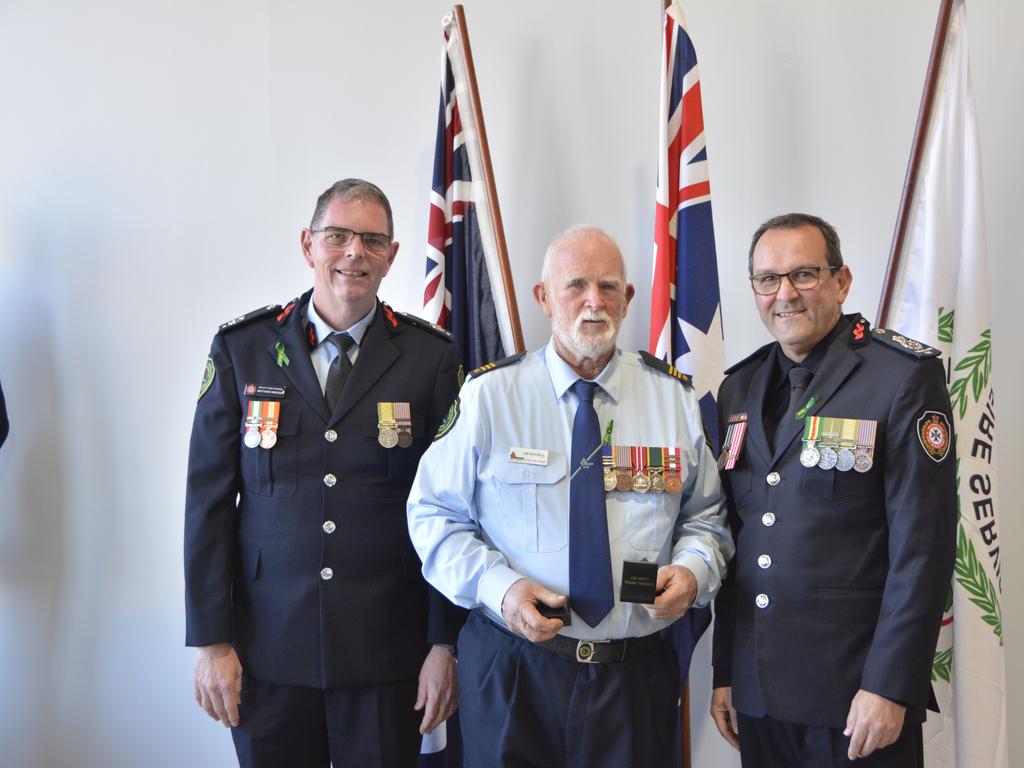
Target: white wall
(158, 159)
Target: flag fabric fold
(941, 297)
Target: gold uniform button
(327, 574)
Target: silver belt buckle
(585, 652)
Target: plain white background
(158, 159)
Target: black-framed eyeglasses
(801, 278)
(341, 237)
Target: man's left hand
(874, 722)
(438, 694)
(677, 589)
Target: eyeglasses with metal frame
(341, 237)
(801, 278)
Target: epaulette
(658, 364)
(858, 335)
(755, 355)
(249, 317)
(904, 345)
(424, 325)
(511, 360)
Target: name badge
(535, 456)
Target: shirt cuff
(701, 572)
(494, 584)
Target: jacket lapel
(755, 406)
(839, 362)
(377, 354)
(299, 369)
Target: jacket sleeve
(725, 602)
(445, 619)
(213, 484)
(921, 510)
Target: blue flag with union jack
(461, 242)
(686, 313)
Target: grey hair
(352, 189)
(577, 232)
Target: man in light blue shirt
(494, 514)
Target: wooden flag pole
(916, 151)
(488, 181)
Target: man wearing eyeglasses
(840, 478)
(318, 640)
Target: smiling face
(585, 293)
(346, 278)
(799, 319)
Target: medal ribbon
(848, 433)
(866, 436)
(386, 416)
(403, 417)
(737, 431)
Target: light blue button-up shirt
(480, 521)
(324, 352)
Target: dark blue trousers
(523, 706)
(769, 743)
(368, 727)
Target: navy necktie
(340, 368)
(799, 378)
(590, 561)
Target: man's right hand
(519, 609)
(724, 715)
(218, 682)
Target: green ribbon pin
(282, 357)
(803, 411)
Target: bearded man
(561, 480)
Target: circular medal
(252, 438)
(641, 483)
(673, 484)
(404, 439)
(862, 462)
(268, 439)
(387, 437)
(829, 457)
(623, 482)
(609, 480)
(845, 460)
(658, 482)
(809, 456)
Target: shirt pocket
(275, 469)
(649, 518)
(534, 513)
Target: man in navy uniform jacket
(839, 471)
(318, 639)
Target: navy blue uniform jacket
(255, 542)
(860, 562)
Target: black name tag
(639, 582)
(265, 392)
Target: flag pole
(916, 151)
(488, 181)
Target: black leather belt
(603, 651)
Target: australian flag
(460, 242)
(686, 313)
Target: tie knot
(799, 377)
(341, 341)
(584, 390)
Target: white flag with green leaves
(941, 298)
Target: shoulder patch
(903, 344)
(660, 365)
(424, 325)
(209, 373)
(858, 335)
(486, 367)
(449, 420)
(248, 317)
(757, 354)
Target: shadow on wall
(33, 519)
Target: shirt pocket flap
(513, 473)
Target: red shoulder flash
(390, 315)
(285, 312)
(311, 335)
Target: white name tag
(528, 456)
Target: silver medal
(845, 460)
(809, 456)
(252, 438)
(828, 458)
(862, 462)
